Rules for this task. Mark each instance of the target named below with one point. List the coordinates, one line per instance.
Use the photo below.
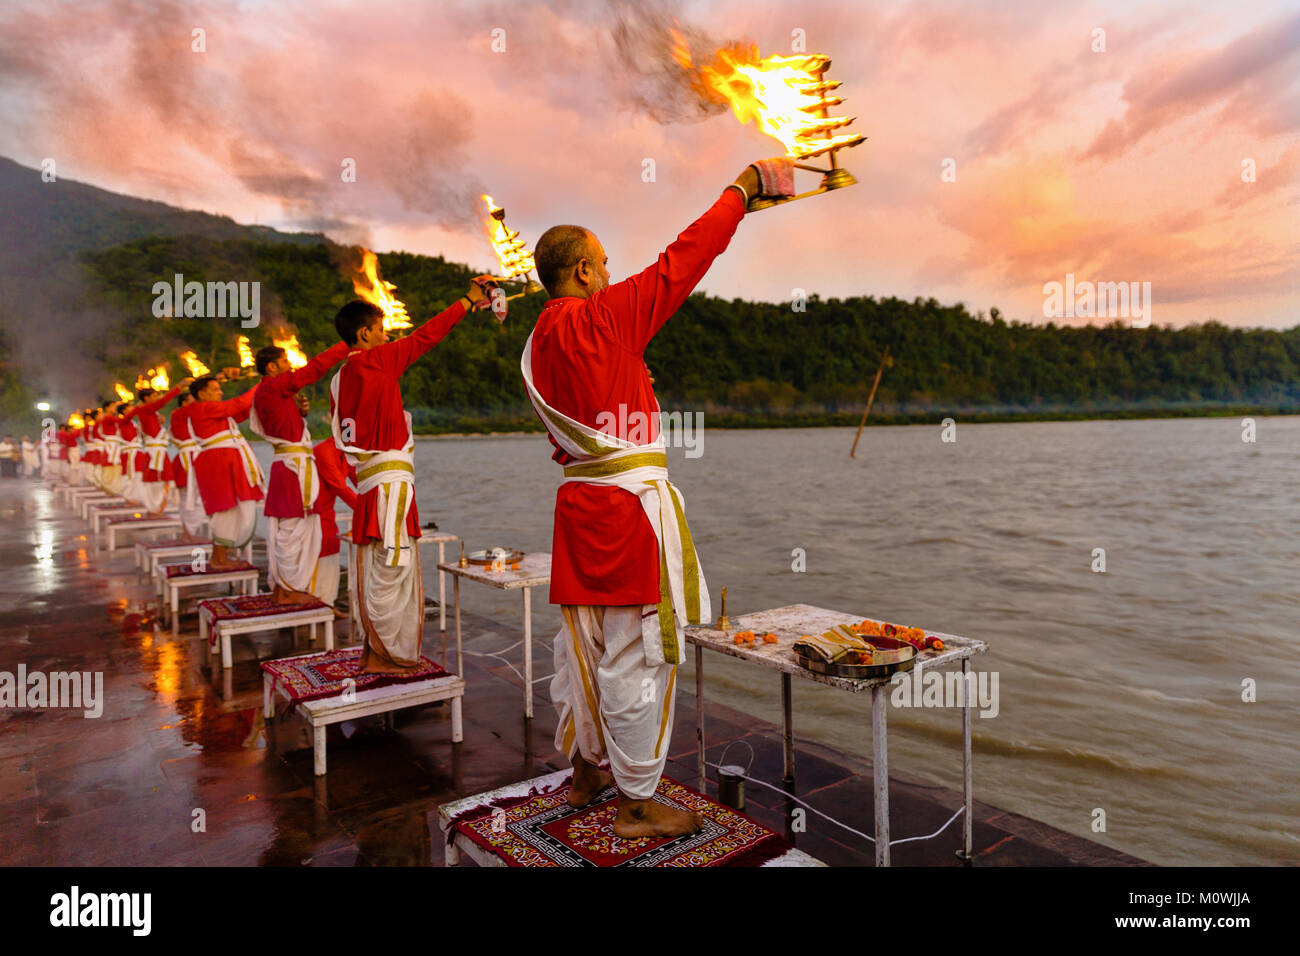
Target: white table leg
(787, 710)
(528, 653)
(203, 623)
(226, 657)
(452, 855)
(457, 724)
(176, 607)
(311, 632)
(966, 824)
(318, 750)
(460, 663)
(699, 709)
(268, 702)
(442, 597)
(329, 635)
(880, 769)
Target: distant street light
(42, 406)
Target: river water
(1120, 690)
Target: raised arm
(156, 403)
(396, 357)
(638, 307)
(318, 366)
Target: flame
(514, 258)
(245, 352)
(787, 97)
(370, 286)
(76, 421)
(122, 392)
(291, 350)
(192, 363)
(155, 378)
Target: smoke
(655, 82)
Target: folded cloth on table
(833, 645)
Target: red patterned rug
(543, 830)
(252, 605)
(174, 543)
(188, 570)
(325, 675)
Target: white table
(788, 624)
(534, 570)
(131, 525)
(149, 554)
(95, 500)
(460, 843)
(100, 517)
(225, 628)
(441, 539)
(169, 589)
(382, 700)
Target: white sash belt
(604, 459)
(297, 457)
(393, 470)
(232, 438)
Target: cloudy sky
(1116, 165)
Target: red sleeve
(313, 370)
(330, 464)
(156, 403)
(636, 308)
(396, 357)
(236, 408)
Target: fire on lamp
(369, 285)
(123, 393)
(516, 261)
(292, 352)
(787, 97)
(196, 368)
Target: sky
(1103, 140)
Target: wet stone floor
(182, 770)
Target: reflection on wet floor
(181, 768)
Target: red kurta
(333, 470)
(66, 439)
(278, 413)
(369, 395)
(179, 426)
(588, 359)
(220, 471)
(151, 425)
(107, 427)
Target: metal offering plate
(890, 656)
(487, 556)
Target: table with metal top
(789, 624)
(534, 571)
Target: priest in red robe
(293, 535)
(153, 469)
(624, 567)
(373, 429)
(229, 477)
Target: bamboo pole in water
(870, 398)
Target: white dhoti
(325, 585)
(611, 702)
(153, 494)
(292, 552)
(233, 528)
(72, 471)
(390, 598)
(111, 480)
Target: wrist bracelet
(744, 196)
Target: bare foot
(589, 781)
(646, 818)
(286, 596)
(340, 615)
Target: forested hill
(78, 264)
(740, 362)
